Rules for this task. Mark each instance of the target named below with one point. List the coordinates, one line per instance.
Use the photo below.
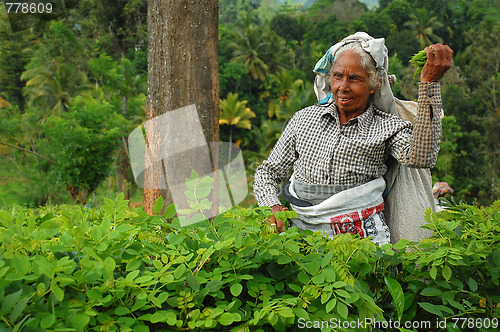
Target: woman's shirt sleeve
(419, 147)
(276, 168)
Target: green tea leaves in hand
(418, 61)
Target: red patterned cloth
(354, 222)
(440, 189)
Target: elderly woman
(338, 148)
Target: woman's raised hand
(439, 58)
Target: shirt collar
(330, 109)
(363, 120)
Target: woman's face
(350, 85)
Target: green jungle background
(73, 89)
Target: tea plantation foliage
(71, 268)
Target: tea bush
(71, 268)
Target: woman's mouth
(344, 101)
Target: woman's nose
(344, 84)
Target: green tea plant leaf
(19, 308)
(401, 244)
(170, 211)
(47, 321)
(158, 206)
(433, 272)
(472, 284)
(342, 310)
(446, 272)
(429, 307)
(193, 282)
(330, 305)
(58, 292)
(397, 295)
(236, 289)
(430, 291)
(226, 319)
(418, 60)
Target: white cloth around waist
(362, 197)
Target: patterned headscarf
(383, 97)
(440, 189)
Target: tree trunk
(183, 68)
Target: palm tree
(424, 26)
(247, 51)
(51, 87)
(235, 113)
(300, 95)
(286, 83)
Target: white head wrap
(383, 98)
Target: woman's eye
(337, 75)
(354, 78)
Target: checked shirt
(321, 151)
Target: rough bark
(183, 67)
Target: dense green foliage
(75, 107)
(97, 54)
(74, 268)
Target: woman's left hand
(439, 58)
(275, 222)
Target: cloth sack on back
(410, 192)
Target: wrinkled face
(350, 85)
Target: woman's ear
(374, 89)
